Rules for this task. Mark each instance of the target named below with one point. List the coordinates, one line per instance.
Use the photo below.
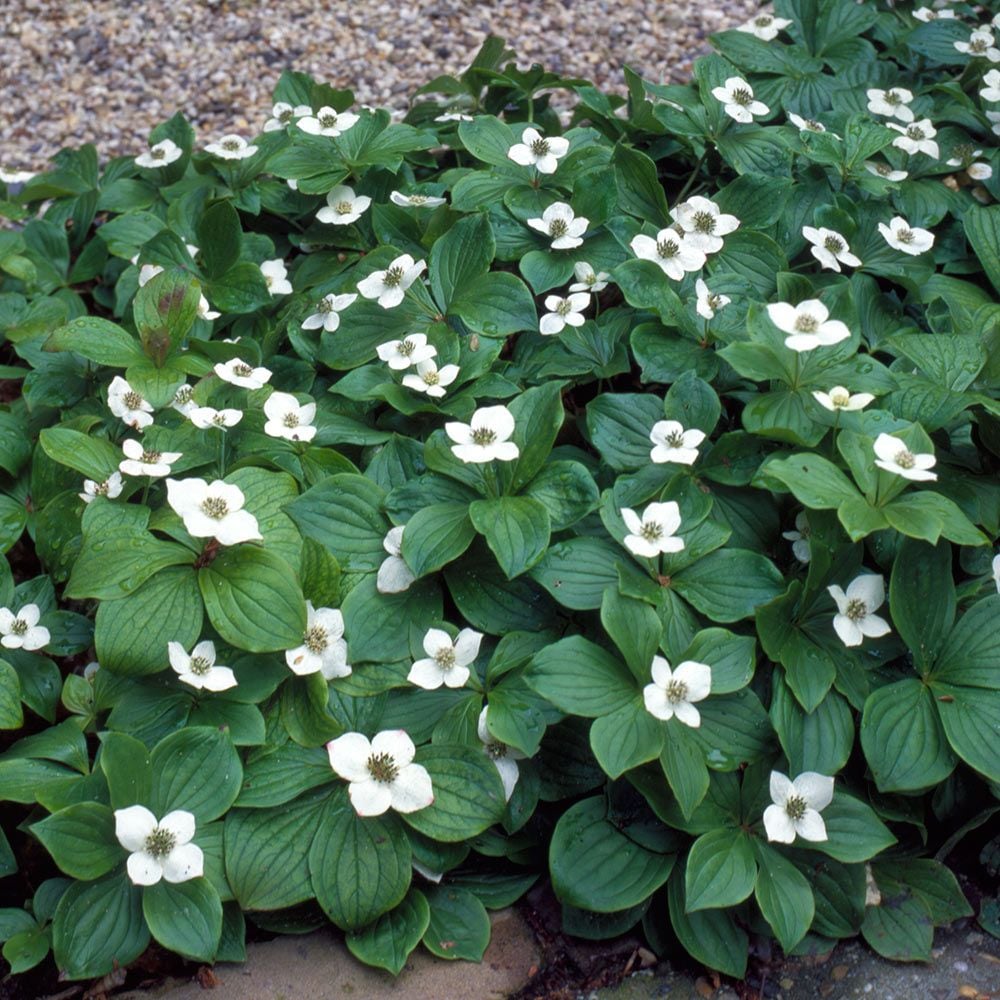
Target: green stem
(490, 481)
(694, 175)
(145, 489)
(222, 453)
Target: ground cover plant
(399, 512)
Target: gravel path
(106, 71)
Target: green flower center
(483, 436)
(557, 227)
(891, 97)
(150, 457)
(763, 21)
(19, 627)
(905, 459)
(418, 199)
(231, 144)
(344, 207)
(406, 348)
(392, 277)
(183, 394)
(160, 843)
(215, 508)
(383, 768)
(496, 750)
(315, 639)
(157, 154)
(883, 169)
(132, 400)
(290, 420)
(675, 439)
(676, 691)
(540, 146)
(667, 248)
(978, 45)
(915, 132)
(833, 244)
(805, 323)
(856, 609)
(840, 399)
(651, 531)
(431, 378)
(285, 117)
(704, 222)
(324, 306)
(101, 489)
(241, 369)
(328, 120)
(200, 666)
(445, 658)
(741, 96)
(904, 235)
(564, 308)
(796, 807)
(964, 152)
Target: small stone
(838, 972)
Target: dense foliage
(585, 456)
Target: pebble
(107, 71)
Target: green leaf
(899, 928)
(639, 189)
(922, 598)
(241, 290)
(982, 229)
(721, 870)
(933, 884)
(112, 567)
(459, 925)
(636, 630)
(165, 309)
(814, 481)
(282, 774)
(683, 763)
(581, 678)
(516, 530)
(970, 654)
(538, 417)
(389, 941)
(730, 656)
(626, 738)
(98, 340)
(11, 716)
(196, 769)
(971, 719)
(487, 139)
(820, 740)
(784, 897)
(378, 625)
(185, 918)
(711, 936)
(127, 767)
(437, 535)
(25, 950)
(619, 427)
(496, 304)
(81, 839)
(220, 238)
(729, 584)
(578, 572)
(854, 832)
(461, 256)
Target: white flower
(535, 150)
(980, 46)
(587, 279)
(283, 114)
(205, 311)
(326, 121)
(900, 236)
(388, 286)
(15, 176)
(485, 437)
(884, 171)
(809, 125)
(838, 398)
(289, 419)
(231, 147)
(991, 92)
(796, 808)
(328, 310)
(979, 171)
(655, 531)
(22, 631)
(855, 616)
(147, 272)
(917, 137)
(323, 648)
(204, 417)
(159, 155)
(673, 692)
(90, 670)
(276, 276)
(808, 324)
(893, 456)
(198, 669)
(925, 14)
(709, 302)
(381, 773)
(394, 576)
(238, 372)
(415, 200)
(738, 100)
(110, 488)
(124, 402)
(183, 401)
(563, 312)
(140, 462)
(559, 222)
(764, 26)
(504, 757)
(800, 537)
(454, 116)
(212, 510)
(411, 350)
(704, 223)
(159, 849)
(671, 443)
(343, 206)
(431, 379)
(996, 572)
(994, 118)
(893, 102)
(673, 252)
(447, 661)
(829, 248)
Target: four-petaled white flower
(212, 510)
(231, 147)
(323, 649)
(671, 251)
(809, 125)
(563, 312)
(447, 661)
(343, 206)
(140, 461)
(381, 773)
(829, 248)
(893, 103)
(991, 90)
(587, 279)
(504, 757)
(394, 576)
(283, 114)
(111, 487)
(485, 437)
(671, 443)
(238, 372)
(738, 100)
(411, 350)
(839, 398)
(981, 45)
(900, 235)
(885, 171)
(454, 116)
(917, 137)
(795, 811)
(288, 418)
(855, 617)
(328, 310)
(159, 155)
(709, 303)
(994, 119)
(204, 417)
(655, 531)
(703, 223)
(16, 176)
(128, 405)
(198, 668)
(893, 456)
(765, 26)
(926, 14)
(389, 286)
(431, 379)
(21, 630)
(538, 151)
(276, 276)
(800, 537)
(327, 121)
(159, 850)
(808, 324)
(415, 200)
(673, 692)
(560, 222)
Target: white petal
(697, 677)
(180, 823)
(778, 825)
(780, 788)
(426, 674)
(870, 588)
(132, 826)
(655, 699)
(394, 576)
(412, 789)
(467, 646)
(815, 788)
(349, 756)
(143, 869)
(850, 634)
(369, 798)
(688, 714)
(811, 826)
(396, 743)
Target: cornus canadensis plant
(398, 514)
